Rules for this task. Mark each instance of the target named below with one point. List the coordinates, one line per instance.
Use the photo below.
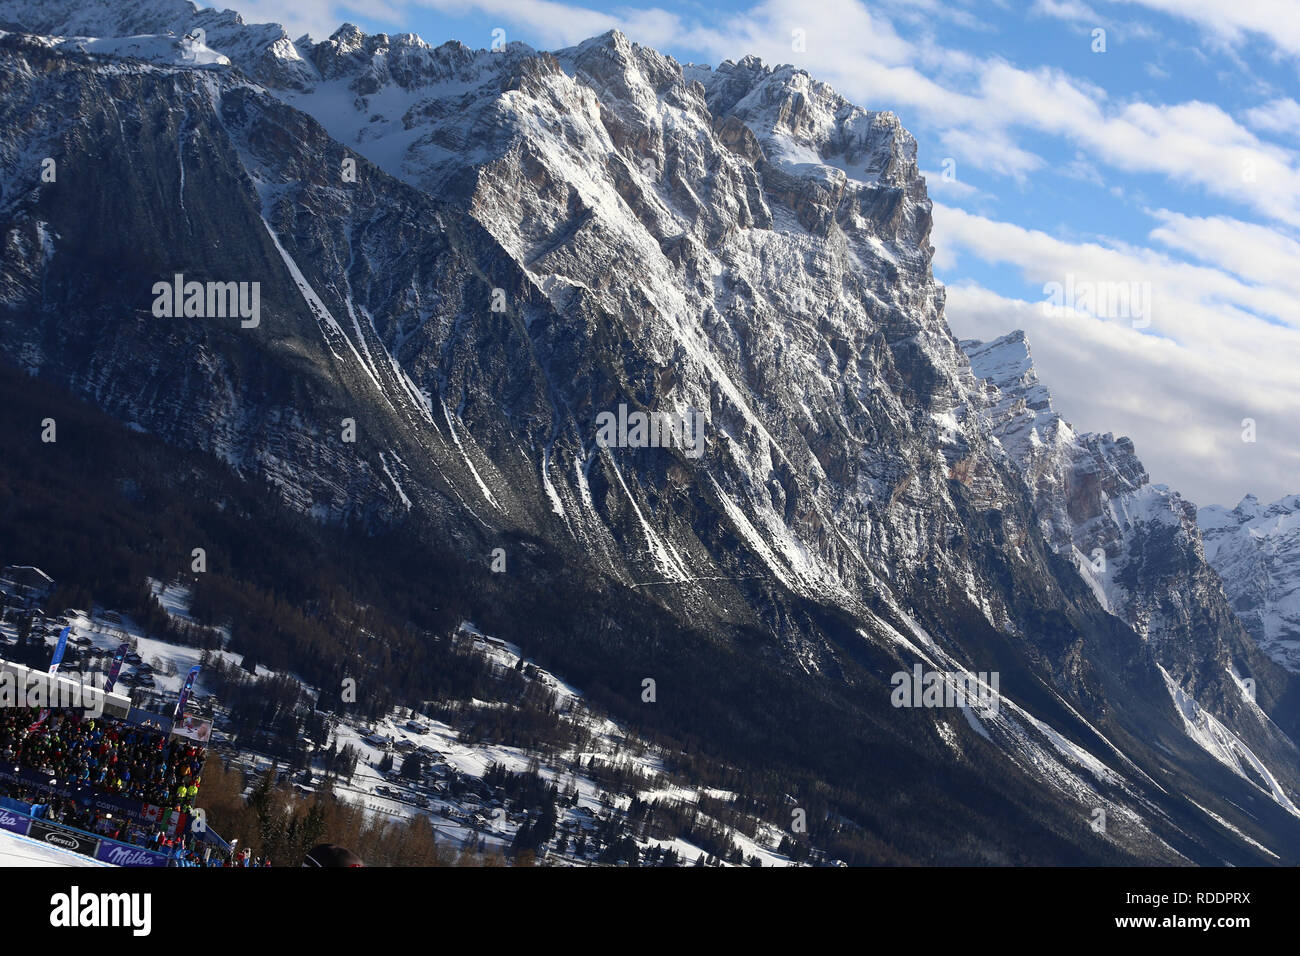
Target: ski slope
(18, 850)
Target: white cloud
(1232, 21)
(937, 185)
(1073, 11)
(991, 151)
(1181, 290)
(1169, 399)
(1276, 116)
(1219, 349)
(1256, 253)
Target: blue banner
(208, 835)
(59, 649)
(40, 783)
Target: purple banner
(116, 668)
(14, 822)
(185, 692)
(119, 854)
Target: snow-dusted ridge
(1256, 550)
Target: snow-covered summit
(1022, 407)
(264, 51)
(166, 50)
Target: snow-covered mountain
(1137, 545)
(1256, 550)
(264, 51)
(473, 255)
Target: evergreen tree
(523, 840)
(412, 767)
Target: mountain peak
(349, 36)
(614, 39)
(612, 44)
(1006, 361)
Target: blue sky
(1166, 164)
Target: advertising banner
(59, 648)
(14, 822)
(116, 668)
(186, 689)
(109, 851)
(40, 783)
(64, 839)
(119, 854)
(195, 728)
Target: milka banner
(119, 854)
(14, 822)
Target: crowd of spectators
(181, 850)
(114, 758)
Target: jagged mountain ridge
(1256, 550)
(1137, 545)
(1094, 495)
(739, 240)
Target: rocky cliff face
(1256, 550)
(1137, 545)
(475, 255)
